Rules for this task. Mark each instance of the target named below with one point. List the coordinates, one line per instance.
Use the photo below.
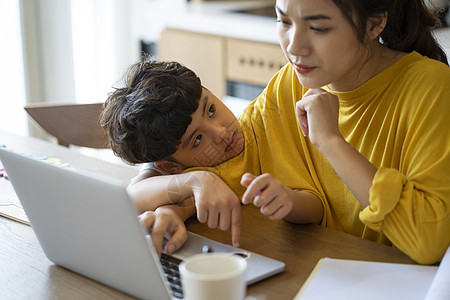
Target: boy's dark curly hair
(146, 118)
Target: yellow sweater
(399, 120)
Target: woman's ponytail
(409, 28)
(409, 25)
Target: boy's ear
(169, 166)
(376, 25)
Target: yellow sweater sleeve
(410, 200)
(417, 223)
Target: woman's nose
(298, 43)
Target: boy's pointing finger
(236, 226)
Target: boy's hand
(268, 193)
(217, 205)
(163, 220)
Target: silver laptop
(89, 225)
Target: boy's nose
(219, 134)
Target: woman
(380, 119)
(371, 94)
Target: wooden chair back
(71, 124)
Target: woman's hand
(318, 116)
(267, 193)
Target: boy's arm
(144, 175)
(150, 191)
(216, 204)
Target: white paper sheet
(349, 279)
(440, 286)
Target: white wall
(12, 115)
(47, 49)
(104, 45)
(75, 50)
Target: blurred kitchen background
(75, 50)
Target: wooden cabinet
(217, 59)
(252, 62)
(204, 54)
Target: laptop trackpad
(196, 244)
(259, 266)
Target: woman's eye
(211, 111)
(320, 30)
(197, 140)
(283, 22)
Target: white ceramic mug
(218, 276)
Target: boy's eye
(197, 140)
(211, 110)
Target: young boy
(163, 115)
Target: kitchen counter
(218, 18)
(215, 18)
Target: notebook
(88, 224)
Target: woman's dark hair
(408, 27)
(146, 118)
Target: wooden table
(26, 273)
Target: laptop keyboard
(170, 266)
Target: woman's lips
(303, 69)
(232, 143)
